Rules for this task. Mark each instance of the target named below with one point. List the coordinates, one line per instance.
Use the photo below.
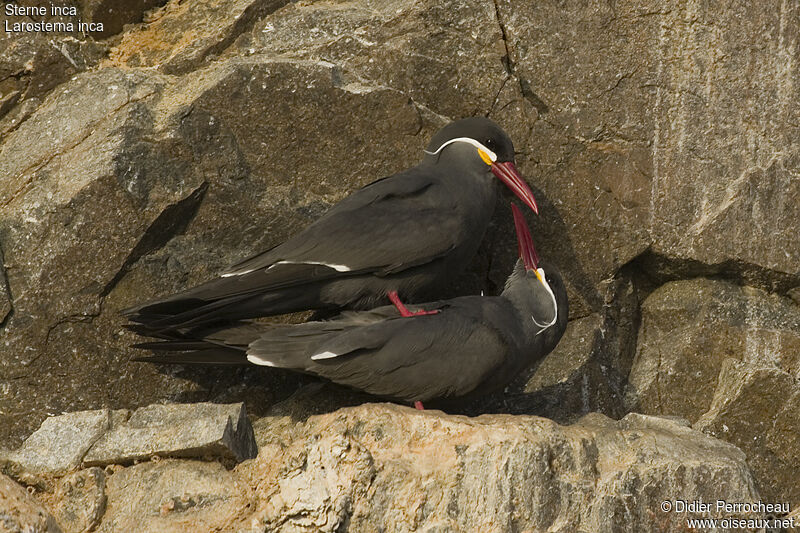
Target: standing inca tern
(391, 239)
(473, 345)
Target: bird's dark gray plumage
(399, 235)
(471, 346)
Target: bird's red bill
(508, 174)
(527, 252)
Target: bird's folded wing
(388, 226)
(433, 356)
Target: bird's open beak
(508, 174)
(525, 243)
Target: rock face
(21, 512)
(173, 496)
(99, 438)
(193, 430)
(380, 467)
(661, 139)
(61, 443)
(384, 468)
(728, 359)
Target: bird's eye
(549, 280)
(490, 144)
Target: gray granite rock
(187, 430)
(60, 444)
(98, 438)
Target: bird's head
(536, 290)
(486, 145)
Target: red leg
(418, 405)
(404, 310)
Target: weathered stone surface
(183, 35)
(5, 297)
(71, 222)
(20, 512)
(365, 38)
(639, 138)
(59, 445)
(33, 63)
(726, 358)
(79, 500)
(174, 496)
(114, 14)
(585, 68)
(384, 467)
(190, 430)
(758, 410)
(726, 151)
(690, 327)
(106, 437)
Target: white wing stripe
(256, 360)
(337, 268)
(324, 355)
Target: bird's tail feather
(211, 356)
(163, 317)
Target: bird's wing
(433, 356)
(390, 225)
(393, 224)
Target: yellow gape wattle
(485, 157)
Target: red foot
(418, 405)
(404, 310)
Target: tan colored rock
(180, 36)
(172, 496)
(79, 500)
(20, 512)
(383, 467)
